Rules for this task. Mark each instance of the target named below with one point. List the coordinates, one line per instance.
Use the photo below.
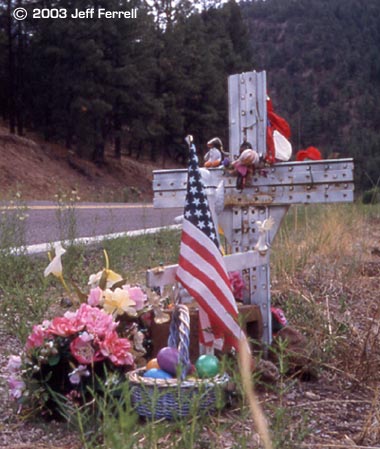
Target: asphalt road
(46, 222)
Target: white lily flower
(55, 266)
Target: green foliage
(142, 83)
(23, 299)
(371, 196)
(22, 290)
(323, 64)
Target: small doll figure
(213, 157)
(137, 339)
(245, 163)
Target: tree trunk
(100, 141)
(19, 112)
(11, 72)
(117, 141)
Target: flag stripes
(203, 275)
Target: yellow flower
(55, 266)
(111, 278)
(118, 302)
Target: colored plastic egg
(207, 366)
(156, 373)
(168, 359)
(152, 364)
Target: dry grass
(321, 237)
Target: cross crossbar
(325, 181)
(162, 276)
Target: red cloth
(275, 122)
(310, 153)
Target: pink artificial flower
(79, 372)
(71, 315)
(37, 337)
(237, 284)
(137, 295)
(94, 297)
(16, 386)
(64, 326)
(83, 350)
(97, 321)
(117, 349)
(14, 364)
(73, 396)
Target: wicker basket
(177, 398)
(172, 398)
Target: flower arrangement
(100, 340)
(67, 355)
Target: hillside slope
(323, 72)
(40, 170)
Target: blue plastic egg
(156, 373)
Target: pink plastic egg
(168, 359)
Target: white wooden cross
(269, 193)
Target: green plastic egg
(207, 366)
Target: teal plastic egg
(207, 366)
(156, 373)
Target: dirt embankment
(39, 170)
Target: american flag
(201, 268)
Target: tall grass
(317, 256)
(333, 235)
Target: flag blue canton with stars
(197, 209)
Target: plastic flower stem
(107, 259)
(66, 287)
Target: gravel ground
(16, 432)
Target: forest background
(140, 85)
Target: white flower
(55, 266)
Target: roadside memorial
(251, 216)
(222, 292)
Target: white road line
(80, 206)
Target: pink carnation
(37, 337)
(64, 326)
(83, 350)
(97, 321)
(117, 349)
